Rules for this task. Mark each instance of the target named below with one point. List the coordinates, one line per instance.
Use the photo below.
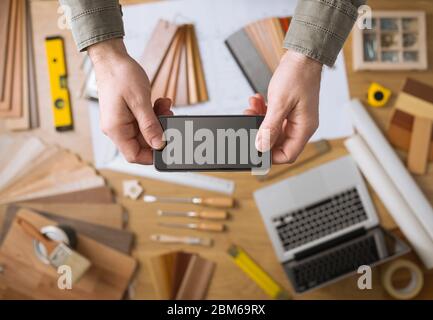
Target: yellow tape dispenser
(60, 101)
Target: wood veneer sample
(249, 60)
(21, 95)
(5, 103)
(108, 277)
(198, 67)
(193, 95)
(419, 145)
(160, 84)
(96, 195)
(174, 72)
(254, 35)
(5, 12)
(109, 215)
(161, 273)
(182, 78)
(157, 47)
(196, 280)
(285, 22)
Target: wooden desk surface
(245, 227)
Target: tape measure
(60, 101)
(257, 274)
(378, 95)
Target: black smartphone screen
(202, 143)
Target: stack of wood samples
(257, 49)
(18, 101)
(172, 62)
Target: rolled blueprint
(392, 199)
(392, 164)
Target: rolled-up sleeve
(319, 28)
(94, 21)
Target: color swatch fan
(258, 48)
(172, 62)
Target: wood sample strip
(108, 277)
(196, 280)
(160, 84)
(118, 239)
(161, 273)
(252, 65)
(182, 78)
(21, 99)
(279, 36)
(180, 265)
(33, 96)
(174, 72)
(157, 47)
(193, 96)
(285, 23)
(253, 33)
(109, 215)
(5, 12)
(420, 145)
(96, 195)
(6, 99)
(198, 67)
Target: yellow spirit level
(60, 102)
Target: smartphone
(211, 143)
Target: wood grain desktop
(245, 227)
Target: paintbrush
(59, 254)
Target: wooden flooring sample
(95, 195)
(419, 145)
(6, 99)
(108, 277)
(109, 215)
(196, 280)
(193, 95)
(160, 84)
(198, 67)
(249, 60)
(174, 72)
(157, 47)
(161, 273)
(5, 6)
(182, 79)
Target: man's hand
(127, 116)
(291, 116)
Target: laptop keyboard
(320, 219)
(332, 264)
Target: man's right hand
(127, 116)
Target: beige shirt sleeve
(319, 28)
(94, 21)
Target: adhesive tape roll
(412, 289)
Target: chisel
(205, 214)
(217, 227)
(216, 202)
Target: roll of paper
(392, 164)
(392, 199)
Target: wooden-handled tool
(205, 214)
(58, 253)
(164, 238)
(208, 226)
(216, 202)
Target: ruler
(195, 180)
(60, 101)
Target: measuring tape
(60, 102)
(257, 274)
(378, 95)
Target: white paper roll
(392, 164)
(392, 199)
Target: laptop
(323, 225)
